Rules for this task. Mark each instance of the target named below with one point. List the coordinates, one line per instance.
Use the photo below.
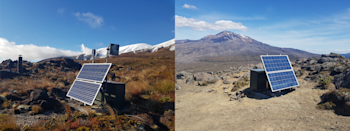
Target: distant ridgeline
(227, 49)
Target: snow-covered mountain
(101, 53)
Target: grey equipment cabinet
(114, 95)
(258, 80)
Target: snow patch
(163, 45)
(101, 53)
(242, 36)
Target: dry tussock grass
(68, 110)
(41, 83)
(136, 87)
(165, 86)
(36, 109)
(8, 123)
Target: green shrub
(325, 81)
(204, 83)
(83, 128)
(246, 78)
(326, 106)
(240, 83)
(165, 86)
(165, 99)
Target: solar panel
(84, 91)
(279, 72)
(88, 82)
(94, 71)
(275, 63)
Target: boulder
(12, 97)
(190, 80)
(343, 79)
(313, 78)
(177, 86)
(339, 69)
(211, 73)
(335, 55)
(201, 76)
(298, 73)
(311, 62)
(58, 92)
(223, 77)
(213, 79)
(246, 75)
(227, 70)
(258, 66)
(327, 65)
(227, 82)
(38, 94)
(327, 59)
(233, 97)
(233, 68)
(23, 108)
(7, 64)
(316, 68)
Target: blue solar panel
(95, 72)
(279, 72)
(275, 63)
(84, 91)
(282, 80)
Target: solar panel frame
(99, 81)
(81, 100)
(278, 71)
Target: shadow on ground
(265, 94)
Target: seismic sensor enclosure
(258, 80)
(113, 96)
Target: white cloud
(323, 51)
(93, 20)
(202, 25)
(85, 50)
(60, 10)
(219, 16)
(189, 6)
(9, 50)
(99, 44)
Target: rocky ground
(224, 101)
(35, 99)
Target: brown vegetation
(150, 74)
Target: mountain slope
(229, 47)
(346, 55)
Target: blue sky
(316, 26)
(60, 27)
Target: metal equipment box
(258, 80)
(114, 94)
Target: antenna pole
(93, 55)
(107, 54)
(19, 64)
(105, 87)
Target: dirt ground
(199, 110)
